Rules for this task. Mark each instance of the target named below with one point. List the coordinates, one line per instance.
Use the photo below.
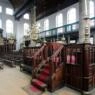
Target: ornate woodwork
(79, 66)
(28, 53)
(48, 68)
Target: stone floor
(12, 82)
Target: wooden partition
(80, 66)
(56, 63)
(28, 53)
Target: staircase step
(47, 66)
(39, 84)
(45, 71)
(43, 77)
(34, 89)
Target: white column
(33, 15)
(84, 25)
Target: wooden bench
(28, 52)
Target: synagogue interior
(47, 47)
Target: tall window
(59, 22)
(26, 28)
(39, 26)
(9, 26)
(46, 24)
(91, 7)
(0, 23)
(0, 9)
(91, 11)
(26, 16)
(71, 18)
(91, 40)
(9, 11)
(46, 27)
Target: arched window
(46, 27)
(91, 7)
(26, 16)
(71, 18)
(91, 40)
(0, 9)
(46, 24)
(39, 26)
(91, 11)
(59, 22)
(9, 11)
(26, 28)
(0, 23)
(9, 26)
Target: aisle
(12, 81)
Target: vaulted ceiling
(44, 7)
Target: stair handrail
(57, 52)
(53, 66)
(39, 51)
(35, 59)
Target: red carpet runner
(39, 83)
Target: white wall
(52, 18)
(18, 25)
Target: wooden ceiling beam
(23, 9)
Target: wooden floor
(12, 82)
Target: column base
(92, 92)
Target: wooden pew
(9, 60)
(28, 52)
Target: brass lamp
(11, 39)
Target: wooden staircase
(48, 73)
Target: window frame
(9, 22)
(46, 24)
(26, 16)
(0, 23)
(9, 11)
(26, 29)
(0, 9)
(72, 13)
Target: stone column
(33, 15)
(84, 24)
(33, 27)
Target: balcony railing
(68, 28)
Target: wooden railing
(56, 68)
(56, 58)
(68, 28)
(38, 58)
(39, 55)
